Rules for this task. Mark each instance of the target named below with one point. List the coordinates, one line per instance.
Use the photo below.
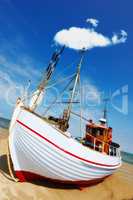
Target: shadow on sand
(4, 167)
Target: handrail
(109, 150)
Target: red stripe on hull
(65, 151)
(24, 176)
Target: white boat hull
(39, 150)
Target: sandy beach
(116, 187)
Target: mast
(75, 84)
(38, 94)
(66, 115)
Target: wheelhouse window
(94, 131)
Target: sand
(116, 187)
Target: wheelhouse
(99, 138)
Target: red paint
(29, 176)
(65, 151)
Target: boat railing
(111, 149)
(95, 143)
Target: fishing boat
(42, 147)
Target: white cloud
(8, 87)
(93, 21)
(12, 74)
(121, 38)
(79, 38)
(5, 77)
(23, 67)
(91, 94)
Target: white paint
(29, 152)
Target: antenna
(105, 100)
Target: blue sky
(27, 29)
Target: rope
(58, 97)
(10, 168)
(63, 80)
(58, 75)
(78, 115)
(60, 81)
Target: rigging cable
(65, 69)
(58, 96)
(63, 80)
(60, 81)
